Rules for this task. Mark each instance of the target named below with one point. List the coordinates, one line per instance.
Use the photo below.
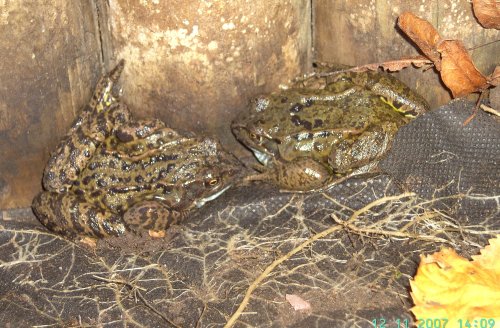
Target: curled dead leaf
(457, 69)
(422, 33)
(487, 13)
(449, 56)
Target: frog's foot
(140, 129)
(70, 215)
(264, 173)
(151, 216)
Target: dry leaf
(297, 302)
(487, 13)
(449, 286)
(457, 70)
(490, 255)
(449, 56)
(422, 33)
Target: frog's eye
(255, 137)
(212, 182)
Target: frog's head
(255, 131)
(210, 172)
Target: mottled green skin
(322, 129)
(110, 173)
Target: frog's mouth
(200, 202)
(262, 157)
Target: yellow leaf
(449, 286)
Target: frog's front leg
(71, 215)
(301, 174)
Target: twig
(490, 110)
(396, 65)
(387, 233)
(476, 109)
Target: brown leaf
(422, 33)
(487, 13)
(494, 78)
(457, 70)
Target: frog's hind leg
(103, 94)
(351, 155)
(76, 149)
(151, 215)
(91, 127)
(70, 215)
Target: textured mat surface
(437, 157)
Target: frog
(326, 127)
(112, 174)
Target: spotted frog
(111, 174)
(326, 127)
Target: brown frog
(111, 174)
(326, 127)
